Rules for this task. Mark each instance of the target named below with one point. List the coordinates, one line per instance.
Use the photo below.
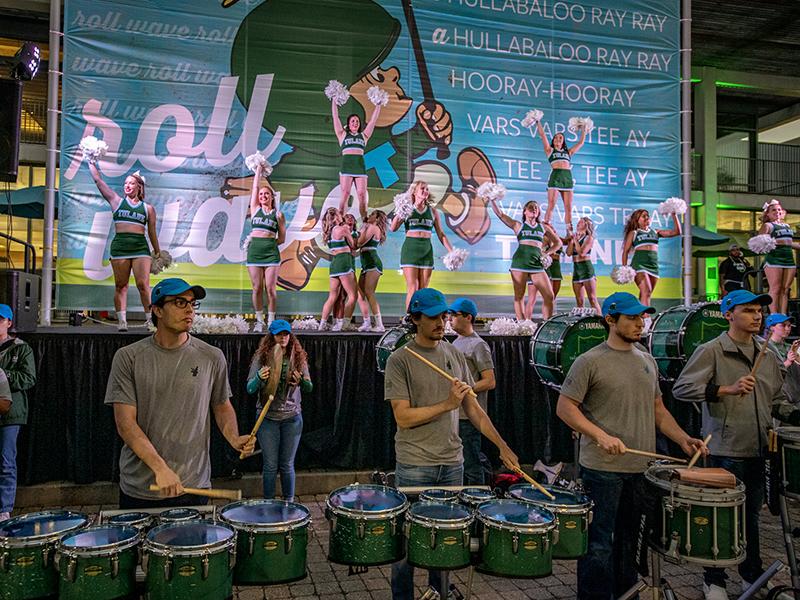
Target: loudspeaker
(10, 113)
(20, 290)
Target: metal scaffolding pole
(686, 144)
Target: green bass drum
(789, 446)
(560, 340)
(390, 341)
(678, 331)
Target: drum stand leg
(788, 540)
(759, 583)
(469, 582)
(660, 588)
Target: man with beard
(611, 396)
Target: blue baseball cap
(776, 318)
(737, 297)
(6, 312)
(464, 305)
(624, 303)
(174, 286)
(428, 301)
(279, 325)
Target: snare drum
(678, 331)
(473, 497)
(516, 539)
(698, 524)
(98, 563)
(178, 515)
(189, 561)
(27, 547)
(789, 444)
(366, 525)
(573, 512)
(390, 341)
(437, 495)
(438, 535)
(140, 521)
(272, 538)
(560, 340)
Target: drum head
(475, 496)
(437, 495)
(100, 537)
(179, 514)
(439, 511)
(562, 339)
(131, 518)
(367, 498)
(703, 325)
(43, 525)
(265, 512)
(563, 497)
(190, 534)
(515, 513)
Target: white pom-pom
(448, 328)
(623, 274)
(337, 92)
(672, 206)
(761, 244)
(547, 260)
(378, 96)
(588, 124)
(161, 261)
(578, 123)
(254, 160)
(491, 191)
(209, 324)
(308, 322)
(92, 148)
(532, 117)
(454, 259)
(583, 312)
(504, 326)
(526, 327)
(402, 205)
(247, 240)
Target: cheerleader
(779, 265)
(372, 235)
(640, 238)
(555, 276)
(583, 277)
(353, 143)
(268, 231)
(560, 158)
(526, 264)
(337, 235)
(338, 307)
(129, 250)
(416, 255)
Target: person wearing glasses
(164, 389)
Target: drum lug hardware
(333, 523)
(465, 537)
(168, 568)
(556, 536)
(4, 561)
(204, 563)
(232, 557)
(46, 556)
(394, 526)
(288, 542)
(251, 541)
(407, 528)
(114, 565)
(515, 541)
(71, 566)
(715, 547)
(144, 559)
(362, 526)
(434, 530)
(485, 535)
(673, 546)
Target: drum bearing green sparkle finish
(27, 552)
(696, 524)
(560, 340)
(189, 561)
(516, 539)
(678, 331)
(438, 535)
(366, 525)
(573, 513)
(472, 498)
(392, 340)
(98, 563)
(789, 444)
(272, 540)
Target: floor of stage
(327, 581)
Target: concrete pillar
(705, 135)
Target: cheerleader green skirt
(353, 165)
(129, 245)
(527, 259)
(645, 261)
(582, 271)
(782, 257)
(263, 252)
(417, 252)
(560, 179)
(342, 264)
(554, 270)
(370, 261)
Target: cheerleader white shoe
(377, 329)
(714, 592)
(258, 327)
(365, 326)
(324, 326)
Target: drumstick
(654, 455)
(441, 372)
(533, 482)
(257, 425)
(699, 450)
(209, 493)
(761, 353)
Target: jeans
(127, 502)
(609, 567)
(279, 441)
(8, 466)
(409, 475)
(751, 472)
(471, 442)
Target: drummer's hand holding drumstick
(744, 385)
(691, 446)
(168, 482)
(458, 391)
(609, 443)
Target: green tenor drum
(189, 561)
(789, 445)
(697, 524)
(272, 540)
(438, 535)
(366, 525)
(472, 498)
(392, 340)
(573, 513)
(141, 521)
(98, 563)
(438, 495)
(560, 340)
(27, 552)
(178, 515)
(516, 539)
(678, 331)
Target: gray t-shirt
(5, 387)
(407, 378)
(479, 358)
(617, 392)
(173, 391)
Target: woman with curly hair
(338, 236)
(779, 264)
(584, 281)
(642, 239)
(416, 255)
(560, 182)
(279, 368)
(371, 236)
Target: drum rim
(363, 514)
(460, 523)
(121, 545)
(149, 545)
(36, 540)
(717, 496)
(466, 495)
(144, 518)
(525, 527)
(451, 496)
(193, 515)
(556, 507)
(787, 433)
(379, 346)
(274, 527)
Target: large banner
(185, 90)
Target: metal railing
(758, 176)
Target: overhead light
(26, 62)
